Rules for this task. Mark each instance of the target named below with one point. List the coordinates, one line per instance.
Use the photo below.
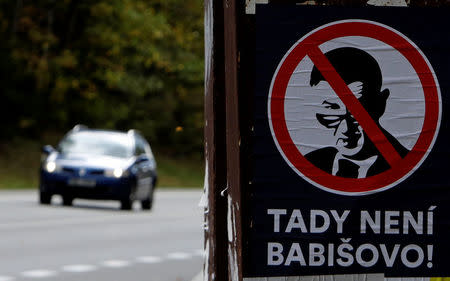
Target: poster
(350, 146)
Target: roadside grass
(20, 160)
(179, 172)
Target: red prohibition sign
(401, 168)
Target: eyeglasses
(334, 120)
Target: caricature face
(333, 114)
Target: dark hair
(353, 65)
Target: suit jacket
(323, 158)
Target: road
(94, 240)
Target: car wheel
(148, 203)
(126, 204)
(67, 200)
(45, 198)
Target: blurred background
(109, 64)
(106, 64)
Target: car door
(144, 180)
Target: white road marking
(116, 263)
(149, 259)
(179, 256)
(38, 273)
(79, 268)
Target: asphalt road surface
(95, 241)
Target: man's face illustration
(362, 74)
(333, 114)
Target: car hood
(91, 161)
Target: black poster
(351, 143)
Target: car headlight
(52, 167)
(116, 173)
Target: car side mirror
(47, 149)
(141, 158)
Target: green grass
(20, 158)
(179, 172)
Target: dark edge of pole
(233, 141)
(246, 64)
(215, 227)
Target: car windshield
(97, 143)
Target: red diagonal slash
(354, 106)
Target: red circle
(403, 167)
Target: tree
(107, 63)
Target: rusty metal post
(215, 267)
(233, 140)
(223, 236)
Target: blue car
(99, 164)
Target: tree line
(116, 64)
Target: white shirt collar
(364, 165)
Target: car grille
(78, 172)
(68, 170)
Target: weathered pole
(215, 227)
(229, 90)
(233, 141)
